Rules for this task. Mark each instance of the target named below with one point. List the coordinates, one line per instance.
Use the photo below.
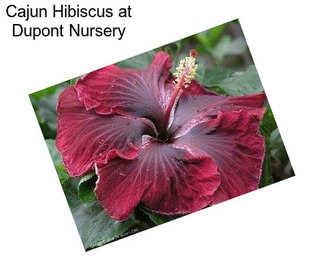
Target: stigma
(186, 70)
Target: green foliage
(277, 146)
(56, 157)
(244, 82)
(200, 73)
(173, 49)
(208, 38)
(86, 187)
(157, 219)
(141, 61)
(44, 103)
(94, 226)
(267, 173)
(276, 164)
(214, 77)
(280, 159)
(229, 46)
(234, 82)
(267, 126)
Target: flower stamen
(184, 74)
(186, 70)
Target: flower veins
(158, 139)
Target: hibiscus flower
(160, 140)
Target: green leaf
(282, 166)
(228, 46)
(94, 226)
(200, 72)
(72, 81)
(86, 187)
(53, 89)
(277, 146)
(47, 111)
(276, 164)
(44, 103)
(268, 124)
(60, 169)
(44, 92)
(267, 174)
(208, 38)
(157, 219)
(173, 49)
(214, 76)
(234, 82)
(141, 61)
(245, 82)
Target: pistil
(185, 72)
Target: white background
(276, 228)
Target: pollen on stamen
(186, 70)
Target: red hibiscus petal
(234, 143)
(194, 89)
(119, 187)
(140, 93)
(84, 137)
(165, 179)
(197, 104)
